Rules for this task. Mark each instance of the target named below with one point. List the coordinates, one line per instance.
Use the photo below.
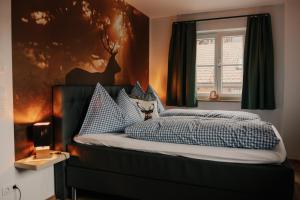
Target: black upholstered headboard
(70, 104)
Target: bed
(135, 172)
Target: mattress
(221, 154)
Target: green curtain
(258, 80)
(182, 65)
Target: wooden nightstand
(31, 163)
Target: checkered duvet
(217, 132)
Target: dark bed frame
(149, 176)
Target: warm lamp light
(42, 139)
(42, 124)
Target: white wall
(160, 31)
(34, 185)
(291, 105)
(287, 73)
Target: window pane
(232, 79)
(205, 79)
(206, 51)
(233, 50)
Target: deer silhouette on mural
(107, 77)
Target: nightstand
(31, 163)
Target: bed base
(147, 176)
(151, 189)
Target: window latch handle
(219, 64)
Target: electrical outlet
(6, 191)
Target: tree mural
(113, 31)
(74, 42)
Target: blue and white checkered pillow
(137, 92)
(160, 106)
(150, 95)
(103, 115)
(129, 108)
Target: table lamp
(42, 139)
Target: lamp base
(42, 152)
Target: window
(220, 63)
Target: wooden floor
(296, 166)
(99, 197)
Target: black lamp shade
(42, 134)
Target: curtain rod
(229, 17)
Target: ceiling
(165, 8)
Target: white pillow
(138, 92)
(148, 109)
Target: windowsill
(219, 100)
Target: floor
(97, 197)
(296, 165)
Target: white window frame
(218, 35)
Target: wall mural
(74, 42)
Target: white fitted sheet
(222, 154)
